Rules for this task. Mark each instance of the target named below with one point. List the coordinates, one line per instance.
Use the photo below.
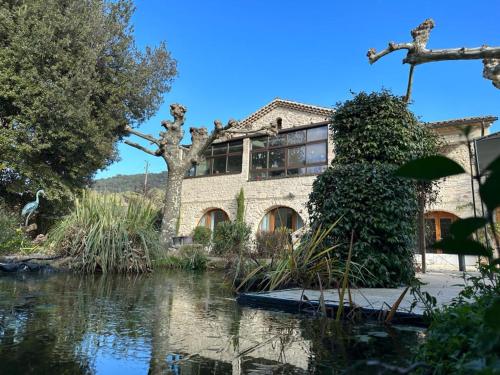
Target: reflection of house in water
(276, 173)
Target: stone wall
(202, 194)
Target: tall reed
(104, 233)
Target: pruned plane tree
(418, 53)
(179, 159)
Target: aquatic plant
(305, 263)
(106, 234)
(189, 257)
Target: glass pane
(259, 160)
(316, 170)
(430, 235)
(264, 224)
(203, 167)
(259, 143)
(277, 158)
(218, 216)
(445, 227)
(219, 165)
(278, 140)
(297, 155)
(296, 171)
(236, 146)
(191, 172)
(278, 173)
(220, 149)
(283, 218)
(297, 137)
(234, 163)
(316, 153)
(258, 175)
(316, 134)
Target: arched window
(437, 227)
(212, 218)
(281, 217)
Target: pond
(174, 323)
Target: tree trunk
(171, 208)
(421, 229)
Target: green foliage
(189, 257)
(381, 211)
(240, 211)
(134, 182)
(202, 235)
(270, 244)
(71, 79)
(464, 337)
(303, 264)
(105, 234)
(430, 168)
(231, 238)
(12, 239)
(373, 134)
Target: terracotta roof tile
(463, 121)
(323, 111)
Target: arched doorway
(437, 227)
(281, 217)
(213, 217)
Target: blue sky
(235, 56)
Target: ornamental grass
(106, 233)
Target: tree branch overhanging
(139, 147)
(419, 54)
(147, 137)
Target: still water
(174, 323)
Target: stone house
(276, 173)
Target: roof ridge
(276, 102)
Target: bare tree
(179, 159)
(419, 54)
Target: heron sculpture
(31, 207)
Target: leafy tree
(71, 81)
(373, 135)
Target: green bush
(231, 237)
(202, 235)
(373, 134)
(105, 234)
(189, 257)
(270, 244)
(11, 235)
(464, 338)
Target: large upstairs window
(220, 158)
(292, 153)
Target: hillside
(134, 182)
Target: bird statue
(31, 207)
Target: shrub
(11, 235)
(464, 337)
(270, 244)
(189, 257)
(202, 235)
(105, 234)
(373, 135)
(301, 264)
(231, 237)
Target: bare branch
(147, 137)
(419, 54)
(373, 56)
(425, 56)
(139, 147)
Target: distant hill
(133, 182)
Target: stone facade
(202, 194)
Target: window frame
(209, 159)
(267, 149)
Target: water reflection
(173, 323)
